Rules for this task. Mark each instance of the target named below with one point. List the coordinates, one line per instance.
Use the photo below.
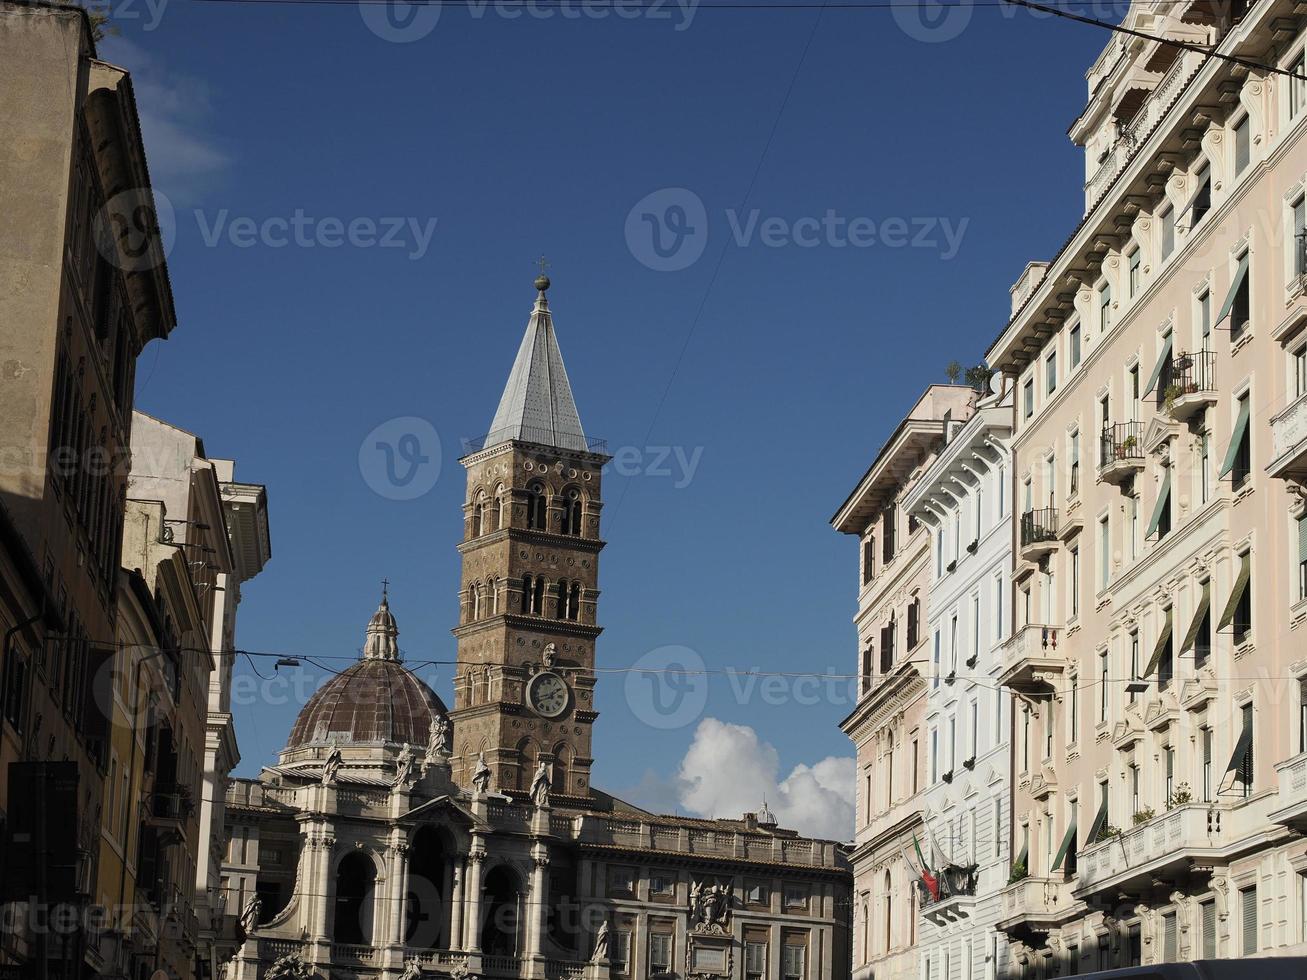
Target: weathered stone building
(394, 838)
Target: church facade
(395, 838)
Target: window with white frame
(1297, 87)
(1167, 220)
(1133, 272)
(1050, 373)
(1074, 553)
(1298, 243)
(1243, 141)
(1104, 307)
(1073, 346)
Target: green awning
(1240, 274)
(1236, 438)
(1068, 843)
(1241, 749)
(1023, 857)
(1162, 360)
(1240, 587)
(1162, 640)
(1204, 604)
(1100, 821)
(1163, 502)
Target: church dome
(376, 700)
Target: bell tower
(524, 683)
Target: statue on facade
(331, 768)
(289, 967)
(251, 914)
(601, 944)
(412, 969)
(461, 972)
(710, 907)
(540, 786)
(437, 738)
(550, 655)
(481, 776)
(404, 766)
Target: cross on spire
(543, 264)
(385, 587)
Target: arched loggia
(503, 905)
(427, 904)
(356, 880)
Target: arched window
(526, 594)
(474, 600)
(492, 597)
(535, 507)
(889, 914)
(503, 901)
(560, 600)
(538, 598)
(355, 887)
(497, 509)
(571, 512)
(574, 602)
(562, 760)
(479, 514)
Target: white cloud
(728, 770)
(182, 156)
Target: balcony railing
(1122, 443)
(1291, 806)
(1038, 526)
(1289, 441)
(1031, 658)
(1188, 383)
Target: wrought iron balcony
(1121, 452)
(1289, 442)
(1038, 532)
(1188, 385)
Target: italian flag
(932, 883)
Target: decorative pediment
(1158, 433)
(1126, 732)
(1197, 691)
(441, 805)
(1160, 714)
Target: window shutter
(1163, 503)
(1163, 638)
(912, 623)
(1209, 930)
(1162, 360)
(1236, 438)
(1248, 913)
(1302, 538)
(1205, 603)
(1169, 939)
(1236, 594)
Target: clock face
(547, 694)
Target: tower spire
(537, 404)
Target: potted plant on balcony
(1144, 815)
(1128, 444)
(1169, 396)
(1180, 796)
(1107, 833)
(1019, 873)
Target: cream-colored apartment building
(1158, 665)
(888, 726)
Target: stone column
(472, 899)
(324, 895)
(456, 940)
(398, 890)
(446, 904)
(535, 938)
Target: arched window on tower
(497, 509)
(474, 600)
(571, 512)
(538, 597)
(558, 775)
(479, 514)
(526, 594)
(535, 507)
(560, 600)
(574, 602)
(492, 597)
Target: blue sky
(803, 343)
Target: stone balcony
(1191, 837)
(1289, 442)
(1035, 906)
(364, 961)
(1032, 662)
(1291, 806)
